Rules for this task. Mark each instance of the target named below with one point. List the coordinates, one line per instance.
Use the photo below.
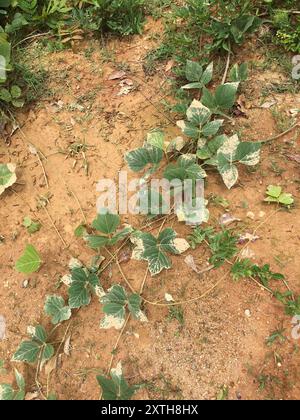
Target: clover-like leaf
(31, 225)
(185, 168)
(154, 250)
(274, 191)
(116, 388)
(55, 307)
(276, 195)
(37, 347)
(7, 176)
(82, 284)
(29, 262)
(115, 303)
(138, 159)
(107, 223)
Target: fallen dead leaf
(247, 237)
(67, 345)
(169, 66)
(51, 366)
(117, 75)
(227, 218)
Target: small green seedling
(275, 195)
(32, 226)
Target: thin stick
(55, 228)
(120, 269)
(226, 68)
(282, 134)
(77, 201)
(43, 169)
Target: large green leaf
(116, 388)
(83, 283)
(222, 100)
(106, 223)
(30, 261)
(28, 351)
(7, 176)
(154, 250)
(138, 159)
(185, 168)
(114, 307)
(55, 307)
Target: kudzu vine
(203, 146)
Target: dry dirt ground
(217, 345)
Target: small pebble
(251, 215)
(247, 313)
(25, 283)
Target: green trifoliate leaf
(116, 388)
(154, 250)
(29, 262)
(185, 168)
(31, 225)
(7, 176)
(115, 303)
(5, 95)
(275, 195)
(138, 159)
(55, 307)
(106, 223)
(274, 191)
(83, 283)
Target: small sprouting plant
(107, 224)
(198, 236)
(223, 246)
(246, 269)
(276, 195)
(32, 226)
